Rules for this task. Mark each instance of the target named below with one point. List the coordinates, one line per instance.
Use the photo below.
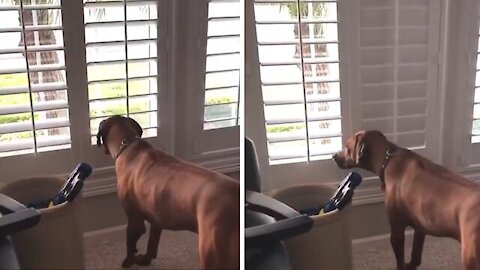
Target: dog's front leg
(397, 239)
(135, 229)
(152, 247)
(418, 240)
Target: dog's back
(165, 187)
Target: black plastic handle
(289, 223)
(15, 216)
(261, 203)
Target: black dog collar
(124, 145)
(388, 155)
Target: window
(121, 52)
(299, 70)
(34, 114)
(476, 106)
(117, 57)
(222, 77)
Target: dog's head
(358, 150)
(124, 126)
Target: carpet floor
(178, 250)
(438, 254)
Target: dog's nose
(334, 156)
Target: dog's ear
(135, 125)
(364, 142)
(360, 146)
(103, 129)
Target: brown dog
(171, 194)
(420, 194)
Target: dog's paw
(129, 261)
(142, 259)
(411, 266)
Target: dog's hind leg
(206, 250)
(215, 249)
(397, 240)
(470, 252)
(152, 246)
(135, 229)
(417, 249)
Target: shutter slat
(219, 104)
(94, 100)
(31, 28)
(222, 70)
(293, 2)
(225, 87)
(308, 61)
(122, 79)
(219, 119)
(47, 67)
(37, 106)
(294, 42)
(290, 101)
(307, 81)
(35, 88)
(132, 113)
(40, 48)
(223, 37)
(225, 53)
(30, 7)
(110, 62)
(121, 23)
(299, 119)
(298, 137)
(39, 125)
(314, 21)
(224, 19)
(132, 42)
(24, 144)
(223, 1)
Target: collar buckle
(124, 144)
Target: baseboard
(377, 238)
(358, 241)
(97, 233)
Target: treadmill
(14, 217)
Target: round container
(56, 242)
(328, 245)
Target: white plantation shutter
(476, 107)
(398, 68)
(469, 157)
(222, 77)
(34, 113)
(299, 69)
(121, 51)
